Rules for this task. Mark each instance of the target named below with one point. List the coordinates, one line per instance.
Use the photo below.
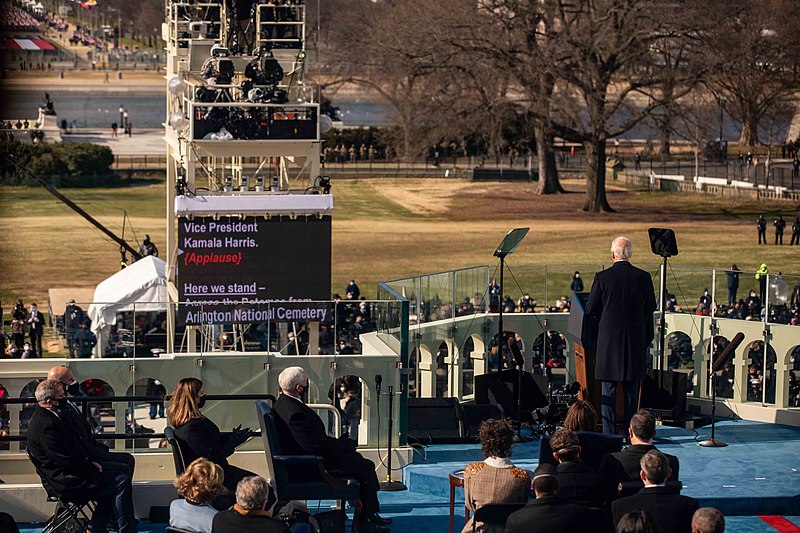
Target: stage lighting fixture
(244, 185)
(228, 184)
(178, 121)
(180, 183)
(325, 124)
(276, 184)
(259, 183)
(176, 85)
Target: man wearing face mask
(70, 470)
(82, 430)
(302, 432)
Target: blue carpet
(758, 473)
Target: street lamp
(125, 116)
(121, 111)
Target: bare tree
(755, 52)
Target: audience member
(708, 520)
(636, 522)
(63, 460)
(36, 329)
(582, 419)
(548, 513)
(624, 466)
(302, 432)
(495, 479)
(672, 512)
(252, 512)
(83, 430)
(201, 436)
(199, 484)
(577, 481)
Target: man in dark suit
(66, 465)
(619, 325)
(36, 329)
(302, 432)
(625, 466)
(671, 512)
(577, 481)
(82, 430)
(549, 513)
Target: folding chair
(66, 509)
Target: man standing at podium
(620, 312)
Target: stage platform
(755, 481)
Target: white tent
(140, 287)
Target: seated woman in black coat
(201, 436)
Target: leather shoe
(378, 520)
(370, 527)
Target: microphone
(722, 358)
(378, 382)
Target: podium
(580, 331)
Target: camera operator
(19, 317)
(218, 69)
(73, 316)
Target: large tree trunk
(548, 172)
(596, 200)
(666, 122)
(749, 136)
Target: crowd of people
(27, 332)
(588, 485)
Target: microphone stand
(389, 485)
(712, 442)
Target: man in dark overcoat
(620, 326)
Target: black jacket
(203, 439)
(231, 521)
(580, 483)
(594, 446)
(302, 431)
(672, 512)
(549, 514)
(624, 466)
(63, 459)
(620, 321)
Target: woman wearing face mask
(201, 437)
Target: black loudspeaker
(435, 421)
(664, 393)
(662, 242)
(475, 414)
(500, 388)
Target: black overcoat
(620, 321)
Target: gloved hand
(239, 435)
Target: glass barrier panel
(471, 291)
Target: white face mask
(342, 389)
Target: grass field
(391, 228)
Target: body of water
(148, 110)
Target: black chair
(495, 514)
(322, 486)
(177, 451)
(67, 509)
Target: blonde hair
(201, 481)
(183, 405)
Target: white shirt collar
(499, 462)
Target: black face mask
(73, 389)
(201, 402)
(59, 403)
(304, 395)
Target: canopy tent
(140, 287)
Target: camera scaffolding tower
(237, 150)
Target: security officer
(761, 278)
(795, 232)
(779, 224)
(761, 224)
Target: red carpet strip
(780, 524)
